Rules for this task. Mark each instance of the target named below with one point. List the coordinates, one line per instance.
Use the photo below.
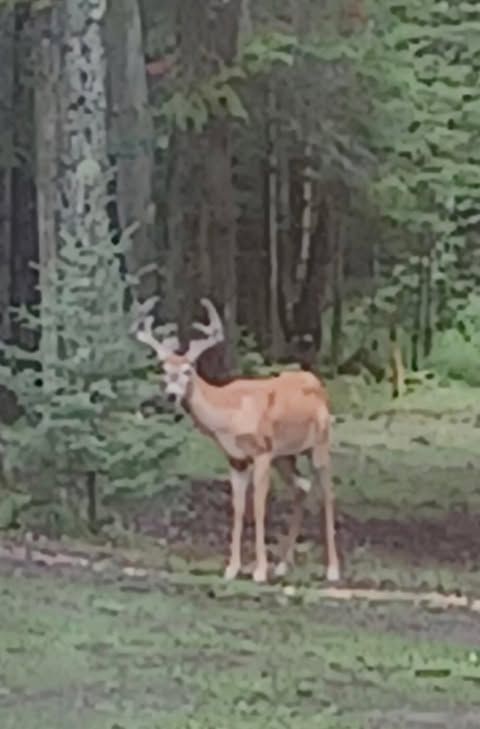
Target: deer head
(179, 369)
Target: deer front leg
(239, 479)
(261, 484)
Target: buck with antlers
(257, 422)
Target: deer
(258, 423)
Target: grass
(105, 653)
(77, 653)
(434, 428)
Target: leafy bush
(456, 351)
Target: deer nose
(171, 397)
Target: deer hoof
(260, 574)
(232, 571)
(333, 573)
(281, 569)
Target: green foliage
(218, 95)
(198, 658)
(428, 102)
(81, 390)
(389, 113)
(259, 53)
(456, 351)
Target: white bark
(302, 263)
(84, 115)
(71, 141)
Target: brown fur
(257, 423)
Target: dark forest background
(312, 166)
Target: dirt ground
(202, 522)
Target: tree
(6, 161)
(131, 142)
(202, 245)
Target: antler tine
(213, 330)
(146, 336)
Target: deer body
(281, 414)
(258, 423)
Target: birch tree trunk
(6, 162)
(427, 322)
(71, 141)
(83, 134)
(131, 134)
(301, 260)
(336, 235)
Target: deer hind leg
(239, 479)
(287, 469)
(261, 484)
(323, 474)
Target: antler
(162, 349)
(213, 330)
(142, 328)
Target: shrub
(80, 391)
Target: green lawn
(96, 651)
(81, 653)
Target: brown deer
(257, 422)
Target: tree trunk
(24, 279)
(336, 231)
(396, 364)
(427, 323)
(6, 162)
(273, 232)
(84, 115)
(306, 224)
(131, 135)
(47, 97)
(302, 257)
(201, 175)
(71, 136)
(297, 247)
(223, 231)
(417, 319)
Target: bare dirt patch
(201, 522)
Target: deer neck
(204, 408)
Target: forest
(311, 167)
